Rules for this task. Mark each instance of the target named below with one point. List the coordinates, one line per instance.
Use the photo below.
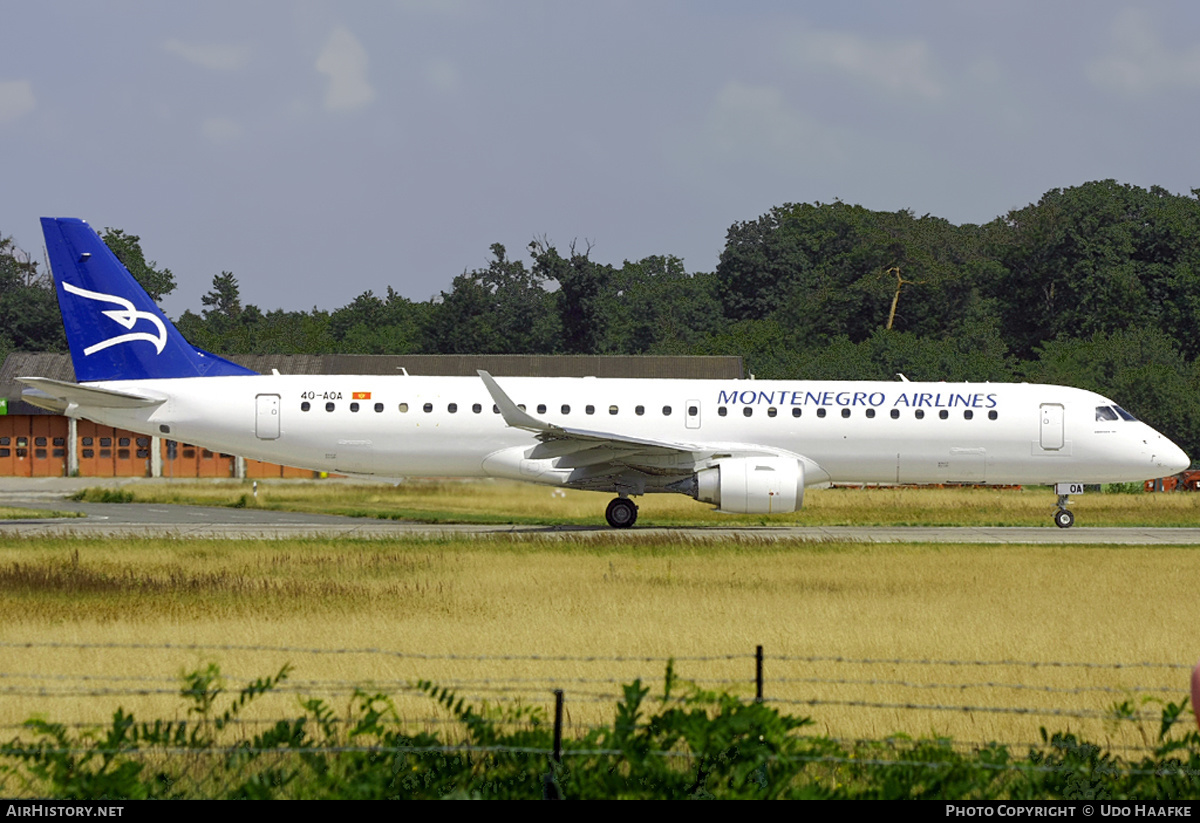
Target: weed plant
(686, 743)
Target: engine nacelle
(753, 485)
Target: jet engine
(753, 485)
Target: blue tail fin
(114, 329)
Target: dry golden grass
(508, 502)
(625, 596)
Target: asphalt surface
(157, 520)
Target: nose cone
(1170, 457)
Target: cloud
(442, 75)
(217, 56)
(1139, 61)
(344, 61)
(221, 130)
(755, 124)
(899, 67)
(16, 99)
(442, 8)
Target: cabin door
(266, 416)
(1051, 436)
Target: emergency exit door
(266, 416)
(1051, 436)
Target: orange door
(48, 450)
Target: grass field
(506, 502)
(620, 596)
(15, 513)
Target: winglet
(509, 410)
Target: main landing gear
(1062, 517)
(621, 513)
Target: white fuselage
(869, 432)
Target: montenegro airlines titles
(744, 446)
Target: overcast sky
(320, 149)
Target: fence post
(758, 674)
(550, 788)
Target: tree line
(1096, 286)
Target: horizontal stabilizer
(56, 395)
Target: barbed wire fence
(769, 679)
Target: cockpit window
(1124, 414)
(1105, 413)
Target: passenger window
(404, 408)
(667, 411)
(820, 412)
(305, 406)
(541, 408)
(992, 415)
(639, 410)
(378, 407)
(452, 408)
(495, 409)
(772, 411)
(870, 413)
(565, 409)
(612, 409)
(796, 411)
(722, 411)
(354, 407)
(476, 408)
(968, 414)
(919, 414)
(943, 414)
(747, 411)
(521, 406)
(845, 412)
(895, 414)
(427, 408)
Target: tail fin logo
(127, 316)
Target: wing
(603, 460)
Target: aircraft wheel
(1064, 519)
(621, 513)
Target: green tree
(824, 270)
(29, 316)
(653, 306)
(1100, 257)
(503, 309)
(370, 325)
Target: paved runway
(200, 522)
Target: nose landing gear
(1062, 517)
(621, 513)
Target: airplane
(745, 446)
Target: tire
(1064, 519)
(621, 513)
